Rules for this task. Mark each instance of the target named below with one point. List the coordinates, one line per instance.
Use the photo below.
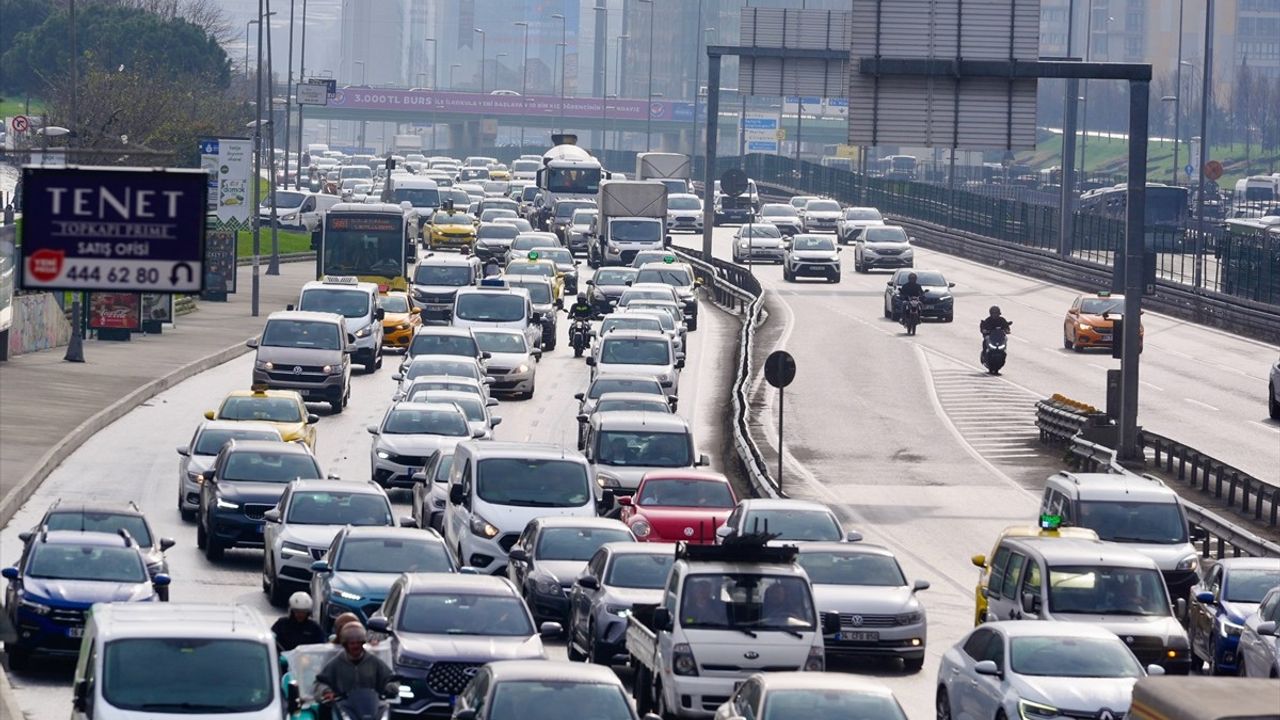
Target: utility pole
(1071, 105)
(564, 57)
(1206, 100)
(288, 104)
(257, 177)
(524, 76)
(480, 32)
(302, 66)
(1177, 96)
(435, 85)
(648, 110)
(273, 264)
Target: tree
(16, 18)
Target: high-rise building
(372, 44)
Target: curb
(9, 707)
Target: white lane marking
(1053, 350)
(1193, 401)
(1099, 367)
(1022, 340)
(1153, 386)
(1272, 428)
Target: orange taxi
(1089, 322)
(400, 319)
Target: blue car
(60, 575)
(1230, 592)
(362, 563)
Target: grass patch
(290, 242)
(1112, 155)
(18, 106)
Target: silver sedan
(1259, 647)
(619, 576)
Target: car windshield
(793, 524)
(211, 441)
(96, 563)
(1249, 585)
(760, 231)
(457, 613)
(494, 213)
(1101, 306)
(640, 571)
(301, 334)
(285, 200)
(635, 351)
(394, 303)
(555, 699)
(529, 482)
(539, 292)
(677, 492)
(1107, 591)
(272, 467)
(417, 197)
(528, 242)
(607, 385)
(525, 166)
(635, 231)
(1135, 521)
(490, 307)
(747, 600)
(393, 555)
(583, 217)
(1079, 657)
(612, 323)
(432, 344)
(339, 508)
(500, 342)
(645, 449)
(413, 421)
(156, 676)
(461, 368)
(347, 303)
(778, 211)
(853, 568)
(498, 231)
(885, 235)
(579, 544)
(616, 276)
(418, 390)
(567, 209)
(684, 203)
(822, 206)
(268, 409)
(558, 255)
(862, 214)
(812, 242)
(448, 275)
(634, 405)
(108, 522)
(673, 276)
(925, 278)
(830, 704)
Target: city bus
(372, 241)
(1166, 215)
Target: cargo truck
(632, 217)
(670, 169)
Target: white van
(159, 660)
(496, 488)
(496, 305)
(298, 209)
(638, 352)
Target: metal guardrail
(1240, 490)
(738, 291)
(1058, 424)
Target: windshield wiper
(1119, 611)
(1154, 541)
(187, 707)
(532, 503)
(772, 628)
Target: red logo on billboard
(45, 265)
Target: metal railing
(1237, 488)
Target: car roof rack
(752, 548)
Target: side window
(997, 569)
(976, 646)
(309, 204)
(994, 650)
(1274, 613)
(1010, 585)
(466, 485)
(749, 700)
(1215, 580)
(673, 587)
(1067, 512)
(1052, 502)
(473, 695)
(595, 567)
(525, 540)
(1031, 579)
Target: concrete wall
(38, 324)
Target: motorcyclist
(297, 628)
(492, 267)
(581, 309)
(911, 288)
(354, 669)
(992, 322)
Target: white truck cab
(729, 611)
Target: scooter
(995, 350)
(580, 336)
(361, 704)
(911, 314)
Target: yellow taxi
(499, 172)
(283, 409)
(533, 265)
(1050, 526)
(400, 319)
(451, 230)
(1089, 322)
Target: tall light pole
(1177, 95)
(435, 85)
(257, 176)
(288, 102)
(273, 264)
(363, 81)
(604, 86)
(648, 106)
(564, 58)
(698, 42)
(623, 39)
(1206, 100)
(302, 72)
(246, 48)
(524, 75)
(480, 32)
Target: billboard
(230, 163)
(113, 229)
(312, 94)
(115, 311)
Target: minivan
(495, 305)
(623, 445)
(1045, 578)
(1141, 512)
(358, 303)
(305, 351)
(496, 488)
(159, 660)
(638, 352)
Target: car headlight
(483, 528)
(817, 660)
(227, 505)
(266, 365)
(641, 528)
(409, 661)
(288, 218)
(908, 252)
(743, 244)
(344, 595)
(664, 377)
(1190, 562)
(522, 369)
(621, 611)
(384, 454)
(293, 548)
(944, 298)
(33, 606)
(868, 251)
(1029, 710)
(1230, 629)
(365, 331)
(402, 326)
(910, 618)
(1085, 326)
(547, 585)
(605, 480)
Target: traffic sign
(733, 182)
(20, 123)
(312, 94)
(779, 368)
(1213, 169)
(782, 134)
(1189, 169)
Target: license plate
(858, 636)
(75, 632)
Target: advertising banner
(220, 263)
(157, 307)
(506, 105)
(115, 311)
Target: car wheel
(212, 548)
(1075, 344)
(336, 406)
(19, 657)
(277, 594)
(1066, 341)
(1000, 715)
(1240, 671)
(1273, 407)
(660, 703)
(377, 362)
(887, 312)
(942, 705)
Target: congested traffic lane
(134, 459)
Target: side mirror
(455, 495)
(379, 624)
(166, 543)
(477, 433)
(491, 402)
(588, 582)
(951, 284)
(591, 361)
(9, 573)
(987, 667)
(312, 418)
(537, 352)
(398, 377)
(468, 570)
(853, 536)
(495, 421)
(415, 311)
(251, 343)
(1180, 608)
(351, 338)
(548, 630)
(488, 380)
(1155, 670)
(661, 619)
(1205, 597)
(1197, 533)
(209, 414)
(830, 623)
(160, 580)
(1030, 602)
(419, 477)
(271, 515)
(579, 396)
(889, 284)
(724, 532)
(371, 429)
(321, 567)
(626, 501)
(408, 521)
(1267, 628)
(919, 585)
(290, 307)
(703, 460)
(25, 537)
(184, 450)
(486, 355)
(979, 561)
(379, 314)
(679, 363)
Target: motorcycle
(303, 663)
(580, 336)
(911, 314)
(361, 704)
(995, 350)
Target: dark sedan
(937, 304)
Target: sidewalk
(48, 407)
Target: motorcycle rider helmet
(995, 311)
(353, 632)
(582, 297)
(911, 277)
(342, 621)
(300, 602)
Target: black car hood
(240, 491)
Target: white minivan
(159, 660)
(638, 352)
(497, 488)
(496, 305)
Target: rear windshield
(431, 344)
(646, 572)
(109, 523)
(269, 467)
(211, 441)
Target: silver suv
(305, 351)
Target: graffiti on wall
(38, 324)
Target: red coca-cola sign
(115, 311)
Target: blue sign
(768, 146)
(1188, 169)
(119, 230)
(209, 146)
(760, 123)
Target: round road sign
(20, 123)
(779, 368)
(1213, 169)
(733, 182)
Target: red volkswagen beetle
(674, 505)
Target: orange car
(1089, 324)
(399, 321)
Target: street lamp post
(435, 86)
(273, 263)
(1206, 100)
(1177, 95)
(288, 102)
(524, 75)
(623, 39)
(648, 106)
(604, 85)
(699, 41)
(246, 48)
(480, 32)
(302, 72)
(363, 81)
(564, 59)
(256, 283)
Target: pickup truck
(732, 610)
